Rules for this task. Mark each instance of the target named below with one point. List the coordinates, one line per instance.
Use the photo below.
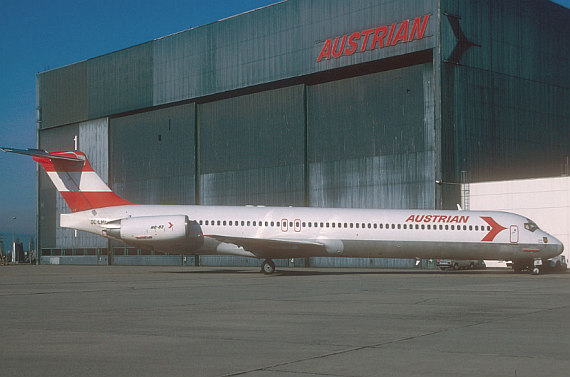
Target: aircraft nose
(558, 246)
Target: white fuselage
(284, 232)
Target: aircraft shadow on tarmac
(320, 272)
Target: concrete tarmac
(200, 321)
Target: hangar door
(371, 142)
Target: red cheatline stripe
(81, 201)
(495, 229)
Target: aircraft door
(514, 234)
(284, 225)
(297, 225)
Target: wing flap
(273, 248)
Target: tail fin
(74, 178)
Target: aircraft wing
(273, 248)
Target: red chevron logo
(495, 229)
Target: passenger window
(429, 227)
(423, 226)
(375, 226)
(453, 227)
(399, 226)
(405, 226)
(417, 226)
(224, 222)
(357, 225)
(476, 227)
(327, 225)
(447, 227)
(242, 223)
(393, 226)
(322, 225)
(351, 225)
(470, 227)
(304, 225)
(200, 222)
(464, 227)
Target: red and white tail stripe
(74, 178)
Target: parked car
(468, 264)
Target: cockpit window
(530, 225)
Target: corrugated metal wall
(252, 149)
(153, 156)
(63, 95)
(371, 140)
(506, 101)
(279, 42)
(121, 81)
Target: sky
(39, 35)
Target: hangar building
(326, 103)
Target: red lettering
(428, 218)
(378, 38)
(411, 218)
(326, 51)
(419, 29)
(454, 219)
(391, 33)
(435, 218)
(419, 218)
(464, 219)
(402, 34)
(381, 38)
(353, 45)
(366, 34)
(338, 54)
(442, 219)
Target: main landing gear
(268, 267)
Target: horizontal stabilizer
(42, 154)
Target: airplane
(290, 232)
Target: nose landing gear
(537, 266)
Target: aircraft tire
(456, 266)
(268, 267)
(536, 271)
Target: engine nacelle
(164, 232)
